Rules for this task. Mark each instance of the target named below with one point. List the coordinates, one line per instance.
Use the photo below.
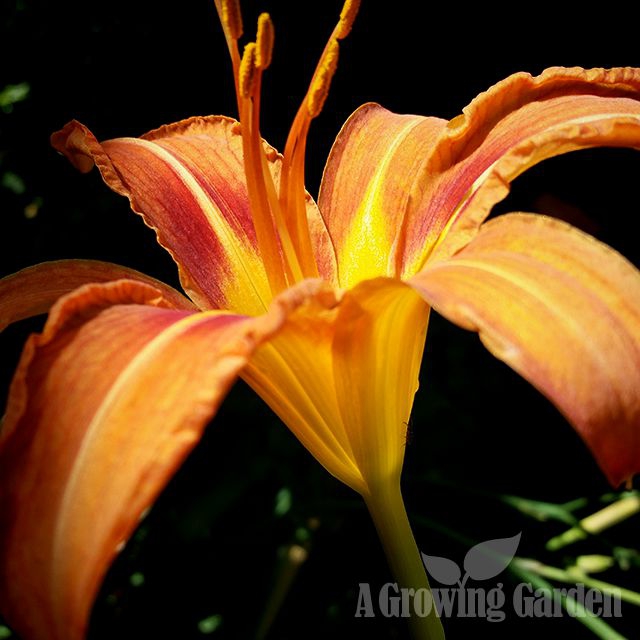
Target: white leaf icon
(443, 570)
(487, 559)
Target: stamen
(319, 89)
(279, 216)
(231, 18)
(347, 17)
(247, 73)
(264, 41)
(275, 247)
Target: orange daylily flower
(321, 307)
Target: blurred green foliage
(13, 93)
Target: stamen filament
(293, 196)
(268, 191)
(292, 191)
(270, 250)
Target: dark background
(213, 545)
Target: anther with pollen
(247, 73)
(231, 18)
(319, 89)
(264, 41)
(347, 18)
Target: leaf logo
(482, 562)
(487, 559)
(442, 569)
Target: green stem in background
(595, 523)
(596, 625)
(292, 558)
(572, 576)
(525, 570)
(387, 510)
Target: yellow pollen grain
(264, 41)
(247, 71)
(232, 18)
(347, 18)
(319, 89)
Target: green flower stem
(390, 518)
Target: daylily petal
(366, 187)
(105, 404)
(187, 181)
(504, 131)
(32, 291)
(563, 310)
(342, 381)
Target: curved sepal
(32, 291)
(563, 310)
(504, 131)
(104, 406)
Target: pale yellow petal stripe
(245, 289)
(366, 187)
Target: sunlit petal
(293, 373)
(504, 131)
(366, 187)
(563, 310)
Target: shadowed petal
(504, 131)
(366, 187)
(33, 290)
(105, 405)
(187, 181)
(563, 310)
